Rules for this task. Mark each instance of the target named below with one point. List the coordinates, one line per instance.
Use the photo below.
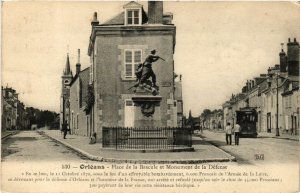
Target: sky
(219, 45)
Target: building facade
(13, 114)
(79, 119)
(100, 95)
(272, 95)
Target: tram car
(247, 118)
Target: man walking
(228, 131)
(65, 129)
(237, 131)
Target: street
(256, 151)
(30, 146)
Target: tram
(247, 118)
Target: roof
(117, 20)
(81, 74)
(120, 19)
(84, 77)
(132, 4)
(294, 87)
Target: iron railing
(144, 138)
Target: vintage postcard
(145, 96)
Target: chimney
(167, 18)
(248, 85)
(293, 58)
(282, 59)
(155, 12)
(95, 19)
(78, 65)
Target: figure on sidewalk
(145, 71)
(65, 128)
(228, 131)
(237, 131)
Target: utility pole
(277, 129)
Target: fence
(144, 138)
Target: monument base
(147, 111)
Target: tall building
(100, 96)
(116, 47)
(79, 119)
(66, 79)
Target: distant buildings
(98, 96)
(13, 110)
(273, 94)
(15, 116)
(212, 119)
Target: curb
(6, 136)
(274, 137)
(81, 152)
(232, 158)
(114, 160)
(286, 138)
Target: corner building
(116, 48)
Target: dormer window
(133, 17)
(133, 13)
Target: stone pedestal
(147, 116)
(147, 111)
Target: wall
(78, 118)
(111, 90)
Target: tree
(205, 113)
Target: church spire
(67, 70)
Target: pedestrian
(237, 132)
(228, 131)
(201, 129)
(65, 128)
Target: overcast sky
(219, 45)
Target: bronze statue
(144, 72)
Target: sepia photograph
(144, 96)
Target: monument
(146, 99)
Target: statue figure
(144, 72)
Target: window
(133, 17)
(132, 59)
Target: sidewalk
(282, 136)
(5, 134)
(285, 136)
(204, 152)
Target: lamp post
(277, 105)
